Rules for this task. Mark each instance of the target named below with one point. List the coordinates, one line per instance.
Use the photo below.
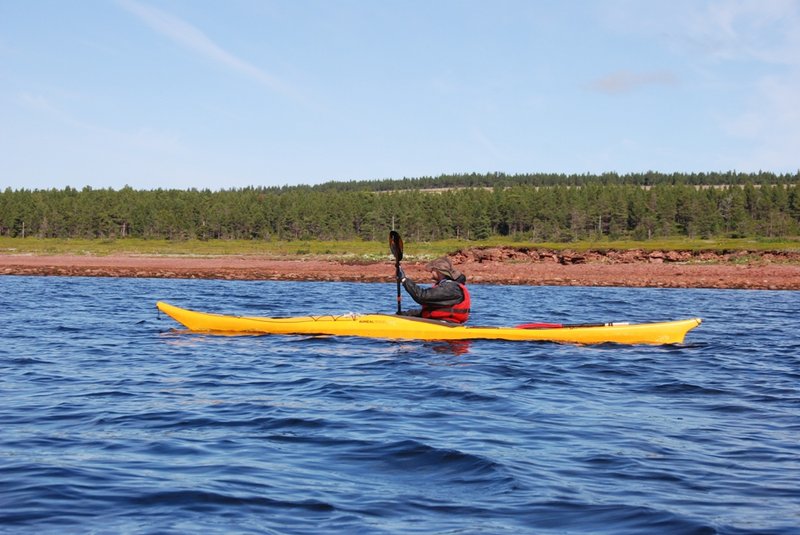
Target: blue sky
(213, 94)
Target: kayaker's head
(441, 268)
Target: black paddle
(396, 246)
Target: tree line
(503, 180)
(594, 210)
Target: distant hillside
(502, 180)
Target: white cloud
(768, 35)
(771, 122)
(751, 30)
(741, 57)
(144, 138)
(190, 37)
(36, 102)
(626, 81)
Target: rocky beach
(775, 270)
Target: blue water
(113, 420)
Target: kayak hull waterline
(406, 328)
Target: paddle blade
(396, 245)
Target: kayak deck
(409, 328)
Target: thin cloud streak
(143, 138)
(188, 36)
(764, 31)
(626, 81)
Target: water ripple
(116, 421)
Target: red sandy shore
(651, 272)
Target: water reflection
(451, 347)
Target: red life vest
(458, 313)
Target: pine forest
(539, 207)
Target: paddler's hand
(401, 275)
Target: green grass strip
(359, 250)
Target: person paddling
(448, 299)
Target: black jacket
(444, 294)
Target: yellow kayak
(408, 328)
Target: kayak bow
(409, 328)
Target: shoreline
(755, 275)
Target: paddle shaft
(399, 294)
(396, 247)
